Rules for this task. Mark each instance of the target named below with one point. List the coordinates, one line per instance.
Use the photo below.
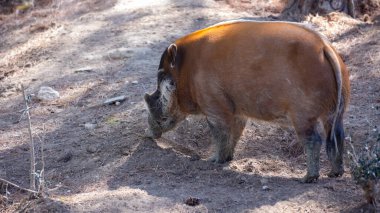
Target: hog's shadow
(165, 172)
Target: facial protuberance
(167, 88)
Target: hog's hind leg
(309, 135)
(335, 151)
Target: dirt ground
(68, 45)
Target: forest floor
(96, 158)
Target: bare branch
(17, 186)
(41, 184)
(32, 157)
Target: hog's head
(164, 112)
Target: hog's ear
(172, 54)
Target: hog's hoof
(334, 174)
(218, 159)
(150, 134)
(310, 179)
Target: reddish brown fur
(264, 54)
(265, 70)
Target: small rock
(84, 70)
(195, 157)
(192, 201)
(117, 103)
(66, 157)
(266, 188)
(89, 126)
(366, 18)
(242, 180)
(135, 82)
(125, 151)
(264, 181)
(114, 100)
(93, 57)
(120, 53)
(329, 188)
(47, 94)
(249, 169)
(200, 19)
(91, 149)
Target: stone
(90, 126)
(84, 70)
(125, 151)
(192, 201)
(91, 149)
(266, 188)
(264, 181)
(66, 157)
(47, 94)
(195, 157)
(115, 100)
(120, 53)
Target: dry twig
(32, 157)
(41, 176)
(17, 186)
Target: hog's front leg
(225, 136)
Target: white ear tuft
(172, 53)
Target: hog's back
(259, 69)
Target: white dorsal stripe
(308, 27)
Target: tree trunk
(300, 8)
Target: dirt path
(112, 168)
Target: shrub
(365, 168)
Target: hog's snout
(151, 134)
(154, 131)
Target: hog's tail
(332, 57)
